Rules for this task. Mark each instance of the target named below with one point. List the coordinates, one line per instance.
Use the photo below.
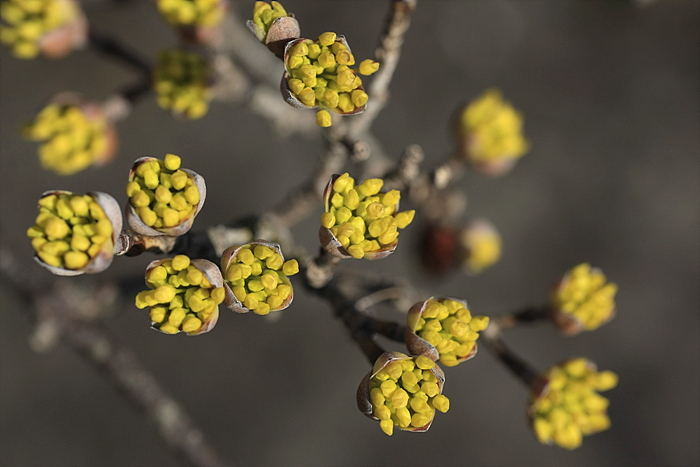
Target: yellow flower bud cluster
(449, 327)
(571, 407)
(494, 128)
(162, 195)
(483, 247)
(206, 13)
(264, 14)
(70, 230)
(181, 80)
(72, 140)
(319, 73)
(405, 393)
(26, 21)
(181, 297)
(361, 218)
(585, 295)
(257, 276)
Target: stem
(388, 54)
(530, 315)
(136, 91)
(63, 308)
(300, 202)
(523, 370)
(131, 243)
(388, 329)
(112, 48)
(320, 270)
(359, 327)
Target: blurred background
(609, 94)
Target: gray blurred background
(609, 93)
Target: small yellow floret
(368, 67)
(323, 119)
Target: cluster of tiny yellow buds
(26, 21)
(494, 129)
(162, 194)
(482, 245)
(182, 81)
(207, 13)
(70, 230)
(405, 393)
(361, 218)
(319, 73)
(264, 14)
(449, 327)
(570, 406)
(257, 276)
(180, 298)
(72, 140)
(585, 295)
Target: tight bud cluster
(569, 406)
(73, 140)
(319, 73)
(257, 276)
(265, 14)
(192, 12)
(406, 393)
(70, 230)
(182, 82)
(162, 194)
(361, 218)
(584, 294)
(181, 297)
(448, 326)
(492, 131)
(25, 22)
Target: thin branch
(131, 243)
(519, 367)
(299, 203)
(113, 48)
(387, 54)
(319, 271)
(529, 315)
(63, 309)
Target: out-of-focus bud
(482, 245)
(474, 247)
(183, 296)
(52, 28)
(273, 26)
(489, 134)
(75, 132)
(443, 329)
(256, 278)
(565, 404)
(75, 234)
(402, 391)
(183, 82)
(318, 74)
(164, 199)
(582, 300)
(196, 21)
(361, 221)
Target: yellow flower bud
(323, 119)
(368, 67)
(327, 39)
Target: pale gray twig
(62, 312)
